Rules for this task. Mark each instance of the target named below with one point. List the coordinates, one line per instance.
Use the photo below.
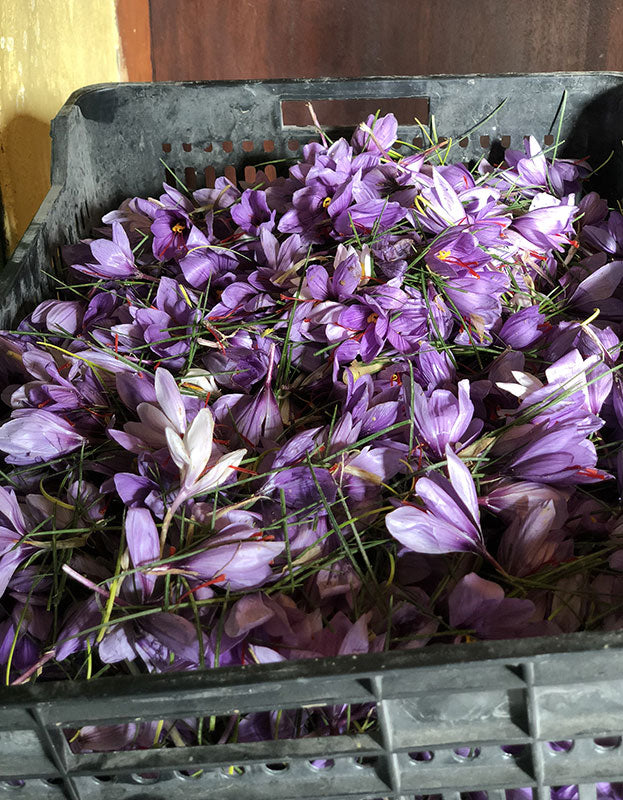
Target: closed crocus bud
(376, 134)
(594, 209)
(523, 328)
(513, 499)
(59, 316)
(443, 418)
(33, 436)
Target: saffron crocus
(560, 455)
(33, 436)
(143, 544)
(376, 215)
(114, 258)
(206, 264)
(167, 326)
(252, 213)
(443, 418)
(170, 230)
(532, 541)
(59, 316)
(547, 225)
(450, 519)
(12, 531)
(605, 237)
(238, 556)
(254, 418)
(576, 390)
(376, 134)
(481, 605)
(523, 328)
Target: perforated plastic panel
(450, 720)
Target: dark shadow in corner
(597, 133)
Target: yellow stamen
(54, 500)
(178, 228)
(193, 386)
(373, 317)
(443, 255)
(594, 315)
(420, 204)
(326, 202)
(185, 295)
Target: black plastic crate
(451, 720)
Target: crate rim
(363, 664)
(332, 80)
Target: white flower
(191, 452)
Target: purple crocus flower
(560, 455)
(370, 215)
(114, 259)
(59, 316)
(280, 261)
(523, 328)
(547, 225)
(481, 605)
(392, 253)
(238, 556)
(34, 436)
(253, 418)
(205, 263)
(361, 475)
(450, 519)
(531, 541)
(167, 326)
(457, 254)
(135, 213)
(476, 302)
(376, 134)
(252, 213)
(139, 491)
(531, 172)
(143, 544)
(443, 418)
(17, 645)
(576, 390)
(12, 530)
(387, 313)
(170, 230)
(598, 287)
(59, 387)
(243, 363)
(512, 500)
(605, 237)
(349, 271)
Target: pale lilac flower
(34, 435)
(115, 258)
(450, 519)
(481, 605)
(443, 418)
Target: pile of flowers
(372, 404)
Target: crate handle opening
(348, 113)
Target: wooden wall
(229, 39)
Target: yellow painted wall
(48, 48)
